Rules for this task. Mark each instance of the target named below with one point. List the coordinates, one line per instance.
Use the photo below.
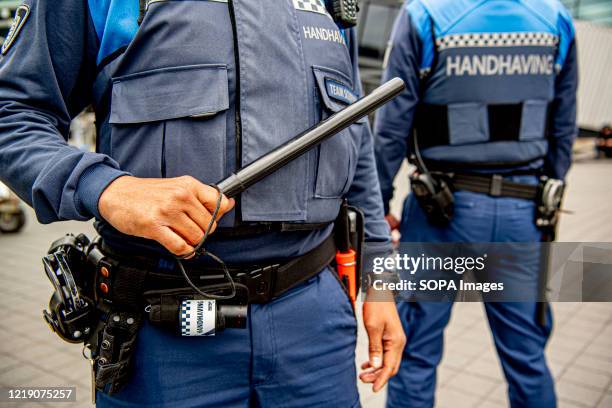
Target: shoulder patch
(21, 15)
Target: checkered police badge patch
(315, 6)
(21, 15)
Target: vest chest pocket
(337, 156)
(171, 122)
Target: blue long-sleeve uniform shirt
(465, 58)
(166, 99)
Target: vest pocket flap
(169, 93)
(335, 88)
(533, 119)
(467, 123)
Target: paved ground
(579, 353)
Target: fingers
(391, 362)
(172, 241)
(200, 215)
(383, 376)
(208, 196)
(375, 347)
(204, 203)
(187, 229)
(369, 376)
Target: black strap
(305, 267)
(494, 186)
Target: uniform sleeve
(46, 77)
(562, 126)
(364, 191)
(393, 125)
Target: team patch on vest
(21, 15)
(323, 34)
(339, 91)
(493, 64)
(315, 6)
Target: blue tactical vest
(489, 72)
(202, 88)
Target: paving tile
(7, 362)
(577, 393)
(375, 400)
(602, 341)
(492, 404)
(589, 378)
(563, 403)
(473, 384)
(19, 374)
(594, 363)
(451, 398)
(499, 394)
(445, 373)
(486, 366)
(557, 368)
(562, 355)
(606, 401)
(599, 351)
(577, 334)
(567, 343)
(469, 347)
(456, 360)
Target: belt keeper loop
(495, 189)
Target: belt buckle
(260, 283)
(495, 188)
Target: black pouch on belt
(116, 344)
(435, 197)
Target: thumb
(375, 347)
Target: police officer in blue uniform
(186, 92)
(491, 94)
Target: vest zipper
(238, 119)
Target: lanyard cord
(200, 250)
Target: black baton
(305, 141)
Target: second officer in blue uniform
(186, 92)
(492, 99)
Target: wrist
(93, 182)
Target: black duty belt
(494, 186)
(128, 277)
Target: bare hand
(394, 225)
(387, 341)
(393, 222)
(174, 212)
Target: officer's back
(490, 107)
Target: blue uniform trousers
(297, 351)
(518, 337)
